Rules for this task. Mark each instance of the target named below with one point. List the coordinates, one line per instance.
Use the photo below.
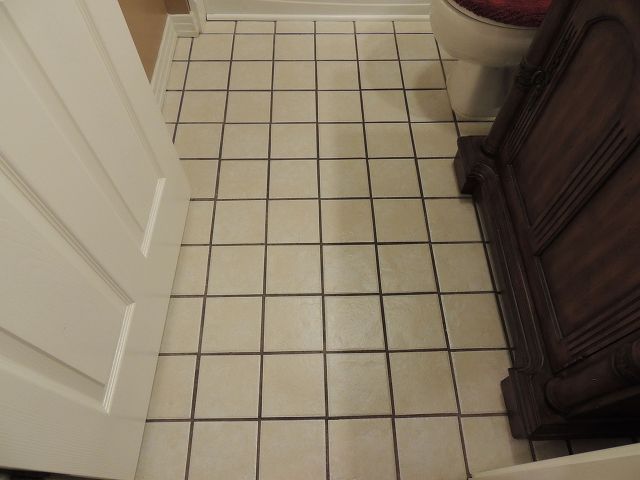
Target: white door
(92, 207)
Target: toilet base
(477, 91)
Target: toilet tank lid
(522, 13)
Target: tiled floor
(334, 314)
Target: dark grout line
(334, 244)
(241, 199)
(341, 294)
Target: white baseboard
(162, 67)
(249, 16)
(186, 24)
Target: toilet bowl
(488, 52)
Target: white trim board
(271, 17)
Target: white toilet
(488, 53)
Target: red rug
(523, 13)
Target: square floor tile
(203, 107)
(250, 76)
(293, 179)
(448, 68)
(172, 387)
(339, 75)
(197, 228)
(198, 140)
(334, 27)
(219, 26)
(422, 383)
(293, 221)
(387, 140)
(406, 268)
(413, 321)
(346, 221)
(438, 178)
(430, 445)
(293, 269)
(547, 449)
(177, 74)
(478, 377)
(191, 271)
(489, 444)
(232, 324)
(294, 76)
(423, 26)
(223, 450)
(294, 47)
(473, 321)
(374, 27)
(335, 47)
(228, 386)
(384, 106)
(246, 107)
(294, 26)
(239, 221)
(417, 47)
(246, 141)
(236, 270)
(255, 27)
(171, 106)
(293, 141)
(293, 385)
(163, 455)
(253, 47)
(400, 220)
(183, 45)
(435, 139)
(340, 106)
(453, 220)
(361, 449)
(293, 323)
(294, 106)
(207, 76)
(462, 267)
(343, 178)
(380, 74)
(243, 179)
(353, 323)
(182, 328)
(376, 47)
(422, 74)
(292, 449)
(429, 106)
(341, 141)
(358, 384)
(394, 178)
(202, 177)
(212, 47)
(350, 269)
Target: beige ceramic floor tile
(547, 449)
(421, 74)
(478, 377)
(403, 26)
(384, 106)
(198, 140)
(343, 106)
(293, 323)
(183, 45)
(473, 321)
(361, 449)
(346, 221)
(449, 68)
(223, 450)
(246, 141)
(341, 141)
(171, 106)
(293, 179)
(380, 74)
(293, 221)
(203, 107)
(219, 26)
(197, 228)
(294, 26)
(400, 220)
(374, 27)
(429, 106)
(438, 178)
(353, 323)
(212, 47)
(243, 179)
(293, 141)
(250, 76)
(462, 267)
(358, 384)
(376, 47)
(337, 75)
(394, 178)
(489, 444)
(343, 178)
(388, 140)
(236, 270)
(335, 47)
(202, 177)
(239, 221)
(406, 268)
(232, 324)
(294, 76)
(413, 321)
(334, 27)
(246, 107)
(294, 106)
(422, 383)
(228, 386)
(430, 448)
(182, 328)
(293, 269)
(255, 27)
(294, 47)
(435, 139)
(453, 220)
(293, 385)
(172, 387)
(350, 269)
(191, 271)
(292, 449)
(253, 47)
(163, 455)
(417, 47)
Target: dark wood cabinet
(558, 185)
